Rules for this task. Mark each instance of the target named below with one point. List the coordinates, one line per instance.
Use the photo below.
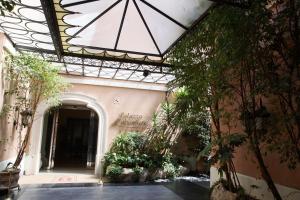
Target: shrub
(138, 170)
(128, 143)
(114, 171)
(170, 169)
(127, 151)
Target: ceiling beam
(165, 15)
(147, 27)
(77, 3)
(121, 24)
(49, 11)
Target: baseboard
(261, 192)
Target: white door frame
(33, 157)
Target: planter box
(9, 179)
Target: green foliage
(6, 5)
(221, 150)
(191, 118)
(129, 151)
(38, 78)
(138, 170)
(126, 151)
(180, 117)
(114, 171)
(32, 80)
(169, 169)
(128, 143)
(242, 57)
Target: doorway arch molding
(33, 157)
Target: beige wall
(118, 100)
(9, 135)
(2, 83)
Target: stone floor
(60, 176)
(177, 190)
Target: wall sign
(127, 121)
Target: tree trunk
(24, 143)
(264, 171)
(23, 148)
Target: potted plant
(33, 80)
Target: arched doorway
(33, 160)
(69, 140)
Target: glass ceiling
(132, 29)
(117, 39)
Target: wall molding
(115, 83)
(33, 158)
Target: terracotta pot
(9, 179)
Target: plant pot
(9, 179)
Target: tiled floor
(178, 190)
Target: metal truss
(89, 67)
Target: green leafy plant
(221, 153)
(239, 58)
(6, 5)
(114, 172)
(127, 151)
(169, 169)
(138, 170)
(34, 80)
(174, 119)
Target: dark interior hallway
(70, 138)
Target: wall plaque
(132, 122)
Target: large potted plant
(34, 80)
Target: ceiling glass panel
(26, 26)
(136, 76)
(134, 35)
(31, 2)
(107, 73)
(152, 77)
(122, 74)
(79, 19)
(184, 11)
(103, 31)
(91, 71)
(165, 79)
(164, 31)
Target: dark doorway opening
(69, 138)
